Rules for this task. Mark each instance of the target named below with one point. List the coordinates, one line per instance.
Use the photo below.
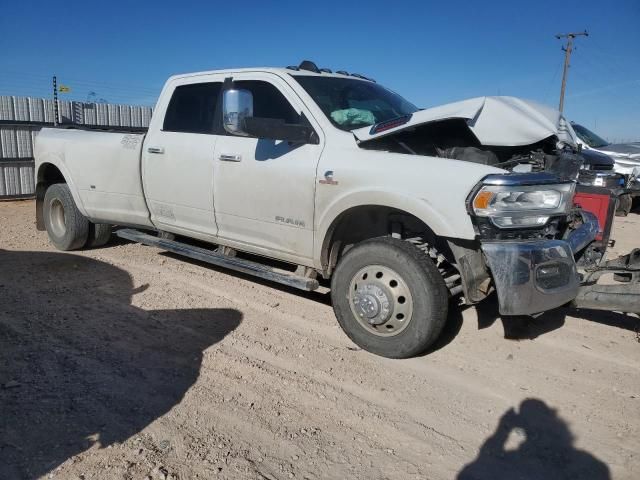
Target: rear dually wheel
(68, 229)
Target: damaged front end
(524, 222)
(502, 132)
(622, 296)
(543, 225)
(534, 276)
(513, 134)
(545, 245)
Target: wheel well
(48, 174)
(370, 221)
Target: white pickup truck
(337, 179)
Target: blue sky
(430, 52)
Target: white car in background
(625, 155)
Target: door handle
(155, 149)
(230, 158)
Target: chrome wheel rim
(57, 218)
(380, 300)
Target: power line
(45, 80)
(33, 88)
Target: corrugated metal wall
(16, 138)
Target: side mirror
(237, 106)
(275, 129)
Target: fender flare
(418, 207)
(58, 162)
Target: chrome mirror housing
(237, 105)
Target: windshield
(588, 137)
(350, 103)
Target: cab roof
(306, 68)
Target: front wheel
(389, 297)
(68, 229)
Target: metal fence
(21, 118)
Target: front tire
(68, 229)
(389, 297)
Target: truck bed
(105, 128)
(105, 168)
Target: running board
(221, 260)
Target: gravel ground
(128, 363)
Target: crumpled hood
(496, 121)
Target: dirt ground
(127, 363)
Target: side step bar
(214, 258)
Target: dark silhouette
(546, 451)
(529, 328)
(80, 365)
(519, 327)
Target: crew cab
(317, 179)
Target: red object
(601, 203)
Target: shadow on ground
(316, 296)
(533, 443)
(79, 365)
(528, 328)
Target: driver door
(264, 189)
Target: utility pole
(55, 101)
(567, 56)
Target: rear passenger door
(178, 161)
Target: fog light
(553, 275)
(548, 271)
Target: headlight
(518, 206)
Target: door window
(192, 108)
(269, 102)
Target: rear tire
(99, 235)
(389, 297)
(68, 229)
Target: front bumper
(536, 276)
